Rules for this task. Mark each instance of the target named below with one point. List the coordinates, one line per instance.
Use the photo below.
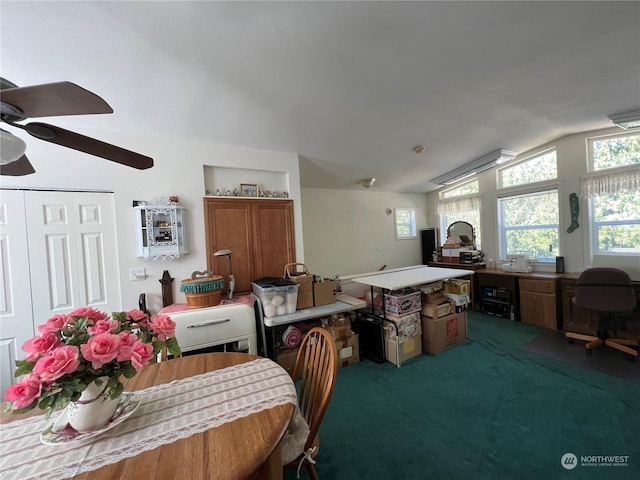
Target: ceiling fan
(52, 100)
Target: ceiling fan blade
(20, 167)
(54, 99)
(92, 146)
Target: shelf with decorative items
(162, 229)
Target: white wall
(178, 170)
(349, 232)
(572, 164)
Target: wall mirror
(463, 230)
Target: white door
(71, 260)
(16, 314)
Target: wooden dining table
(244, 448)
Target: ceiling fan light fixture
(481, 164)
(626, 120)
(367, 182)
(12, 147)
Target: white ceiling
(350, 86)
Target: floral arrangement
(76, 349)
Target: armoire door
(59, 253)
(259, 233)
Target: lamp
(367, 182)
(12, 147)
(481, 164)
(232, 280)
(626, 120)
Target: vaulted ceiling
(351, 87)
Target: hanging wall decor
(574, 206)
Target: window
(529, 224)
(613, 193)
(528, 217)
(459, 190)
(460, 203)
(405, 223)
(536, 169)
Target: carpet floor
(491, 408)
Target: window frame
(528, 189)
(507, 166)
(592, 225)
(413, 230)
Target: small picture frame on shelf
(248, 190)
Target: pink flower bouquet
(74, 350)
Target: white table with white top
(406, 277)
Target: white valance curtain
(458, 205)
(610, 183)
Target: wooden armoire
(258, 231)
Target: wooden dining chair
(317, 368)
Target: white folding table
(406, 277)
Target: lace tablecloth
(166, 413)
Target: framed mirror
(463, 230)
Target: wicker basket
(202, 289)
(305, 284)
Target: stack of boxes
(403, 331)
(339, 326)
(444, 316)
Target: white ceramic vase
(93, 409)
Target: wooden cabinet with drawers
(534, 297)
(539, 303)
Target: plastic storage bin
(277, 295)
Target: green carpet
(483, 410)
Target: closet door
(58, 253)
(229, 227)
(16, 315)
(259, 233)
(273, 237)
(73, 252)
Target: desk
(534, 296)
(244, 448)
(343, 303)
(410, 277)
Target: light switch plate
(136, 274)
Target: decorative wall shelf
(162, 230)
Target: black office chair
(609, 293)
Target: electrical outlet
(378, 247)
(136, 274)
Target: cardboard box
(411, 347)
(440, 334)
(348, 351)
(402, 302)
(408, 326)
(460, 299)
(339, 327)
(432, 297)
(287, 358)
(438, 310)
(324, 293)
(456, 285)
(431, 287)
